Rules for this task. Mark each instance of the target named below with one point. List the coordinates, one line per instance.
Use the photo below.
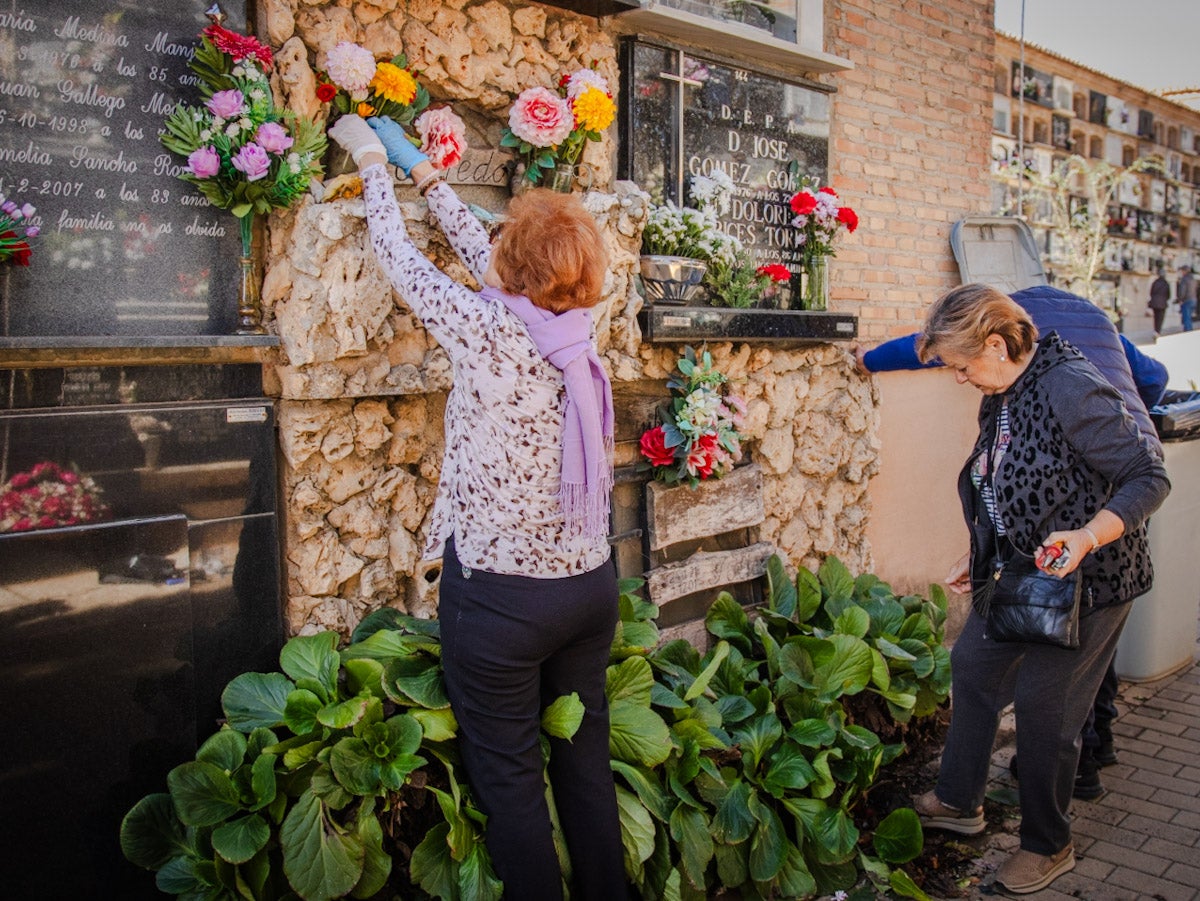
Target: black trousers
(1052, 690)
(511, 645)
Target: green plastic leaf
(899, 839)
(151, 833)
(320, 861)
(239, 840)
(637, 734)
(224, 749)
(562, 718)
(203, 794)
(256, 700)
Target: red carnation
(654, 448)
(848, 218)
(828, 190)
(776, 272)
(326, 91)
(238, 46)
(803, 203)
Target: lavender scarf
(564, 339)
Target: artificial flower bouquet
(47, 496)
(820, 216)
(548, 128)
(16, 230)
(242, 153)
(353, 82)
(698, 437)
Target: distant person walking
(1185, 296)
(1160, 296)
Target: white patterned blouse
(499, 489)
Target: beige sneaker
(936, 815)
(1026, 872)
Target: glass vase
(814, 293)
(249, 291)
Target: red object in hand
(1048, 556)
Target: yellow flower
(365, 109)
(394, 84)
(594, 110)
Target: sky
(1154, 44)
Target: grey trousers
(1052, 690)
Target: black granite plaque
(689, 116)
(126, 248)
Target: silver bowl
(672, 280)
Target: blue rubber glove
(400, 150)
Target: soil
(949, 864)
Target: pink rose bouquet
(443, 136)
(698, 437)
(243, 154)
(548, 127)
(47, 496)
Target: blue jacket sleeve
(1149, 374)
(899, 353)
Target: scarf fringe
(590, 510)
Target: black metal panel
(96, 664)
(670, 324)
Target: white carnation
(351, 68)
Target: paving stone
(1103, 832)
(1170, 741)
(1150, 886)
(1153, 764)
(1160, 723)
(1133, 858)
(1183, 873)
(1176, 799)
(1188, 820)
(1171, 850)
(1172, 832)
(1173, 783)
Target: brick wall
(909, 149)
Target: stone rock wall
(362, 386)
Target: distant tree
(1078, 193)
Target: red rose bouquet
(698, 438)
(49, 495)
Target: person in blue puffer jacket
(1141, 381)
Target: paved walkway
(1141, 841)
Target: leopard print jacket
(1074, 450)
(499, 489)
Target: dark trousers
(511, 645)
(1159, 316)
(1098, 727)
(1052, 690)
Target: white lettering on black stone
(97, 222)
(94, 34)
(210, 229)
(18, 21)
(161, 44)
(160, 104)
(31, 154)
(89, 96)
(81, 157)
(19, 89)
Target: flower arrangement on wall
(551, 127)
(820, 217)
(16, 230)
(698, 436)
(243, 154)
(49, 495)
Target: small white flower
(584, 79)
(233, 129)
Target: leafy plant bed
(751, 768)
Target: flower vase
(249, 296)
(814, 292)
(672, 280)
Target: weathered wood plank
(707, 569)
(678, 513)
